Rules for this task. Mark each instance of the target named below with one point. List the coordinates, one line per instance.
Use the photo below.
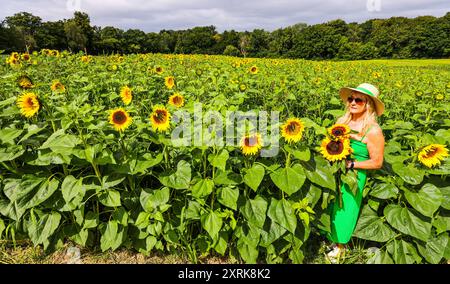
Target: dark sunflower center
(338, 131)
(119, 117)
(30, 102)
(177, 100)
(160, 116)
(170, 81)
(250, 141)
(335, 147)
(431, 153)
(254, 69)
(158, 69)
(293, 128)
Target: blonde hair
(370, 115)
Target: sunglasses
(358, 101)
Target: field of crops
(87, 155)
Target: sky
(238, 15)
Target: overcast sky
(240, 15)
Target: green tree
(27, 25)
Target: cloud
(155, 15)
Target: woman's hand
(349, 164)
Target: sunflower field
(86, 156)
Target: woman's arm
(375, 146)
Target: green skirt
(343, 220)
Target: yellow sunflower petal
(432, 155)
(120, 119)
(292, 130)
(335, 150)
(28, 104)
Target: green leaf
(61, 143)
(274, 233)
(403, 252)
(384, 191)
(408, 173)
(91, 220)
(180, 179)
(350, 178)
(121, 216)
(228, 196)
(254, 176)
(320, 174)
(281, 212)
(248, 252)
(16, 189)
(109, 235)
(48, 157)
(289, 180)
(110, 198)
(111, 181)
(433, 250)
(40, 230)
(73, 191)
(11, 153)
(426, 201)
(445, 197)
(145, 162)
(7, 135)
(152, 199)
(406, 222)
(203, 188)
(371, 227)
(212, 222)
(227, 178)
(219, 160)
(34, 198)
(303, 154)
(32, 129)
(2, 227)
(254, 211)
(380, 257)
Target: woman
(362, 109)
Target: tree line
(396, 37)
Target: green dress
(343, 220)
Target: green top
(359, 148)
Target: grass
(26, 253)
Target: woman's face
(356, 102)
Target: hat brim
(344, 93)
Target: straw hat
(365, 89)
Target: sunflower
(159, 70)
(25, 82)
(169, 81)
(28, 104)
(433, 154)
(251, 144)
(242, 87)
(26, 57)
(292, 130)
(335, 150)
(120, 119)
(339, 131)
(126, 95)
(253, 69)
(439, 96)
(85, 58)
(160, 118)
(57, 86)
(176, 100)
(55, 53)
